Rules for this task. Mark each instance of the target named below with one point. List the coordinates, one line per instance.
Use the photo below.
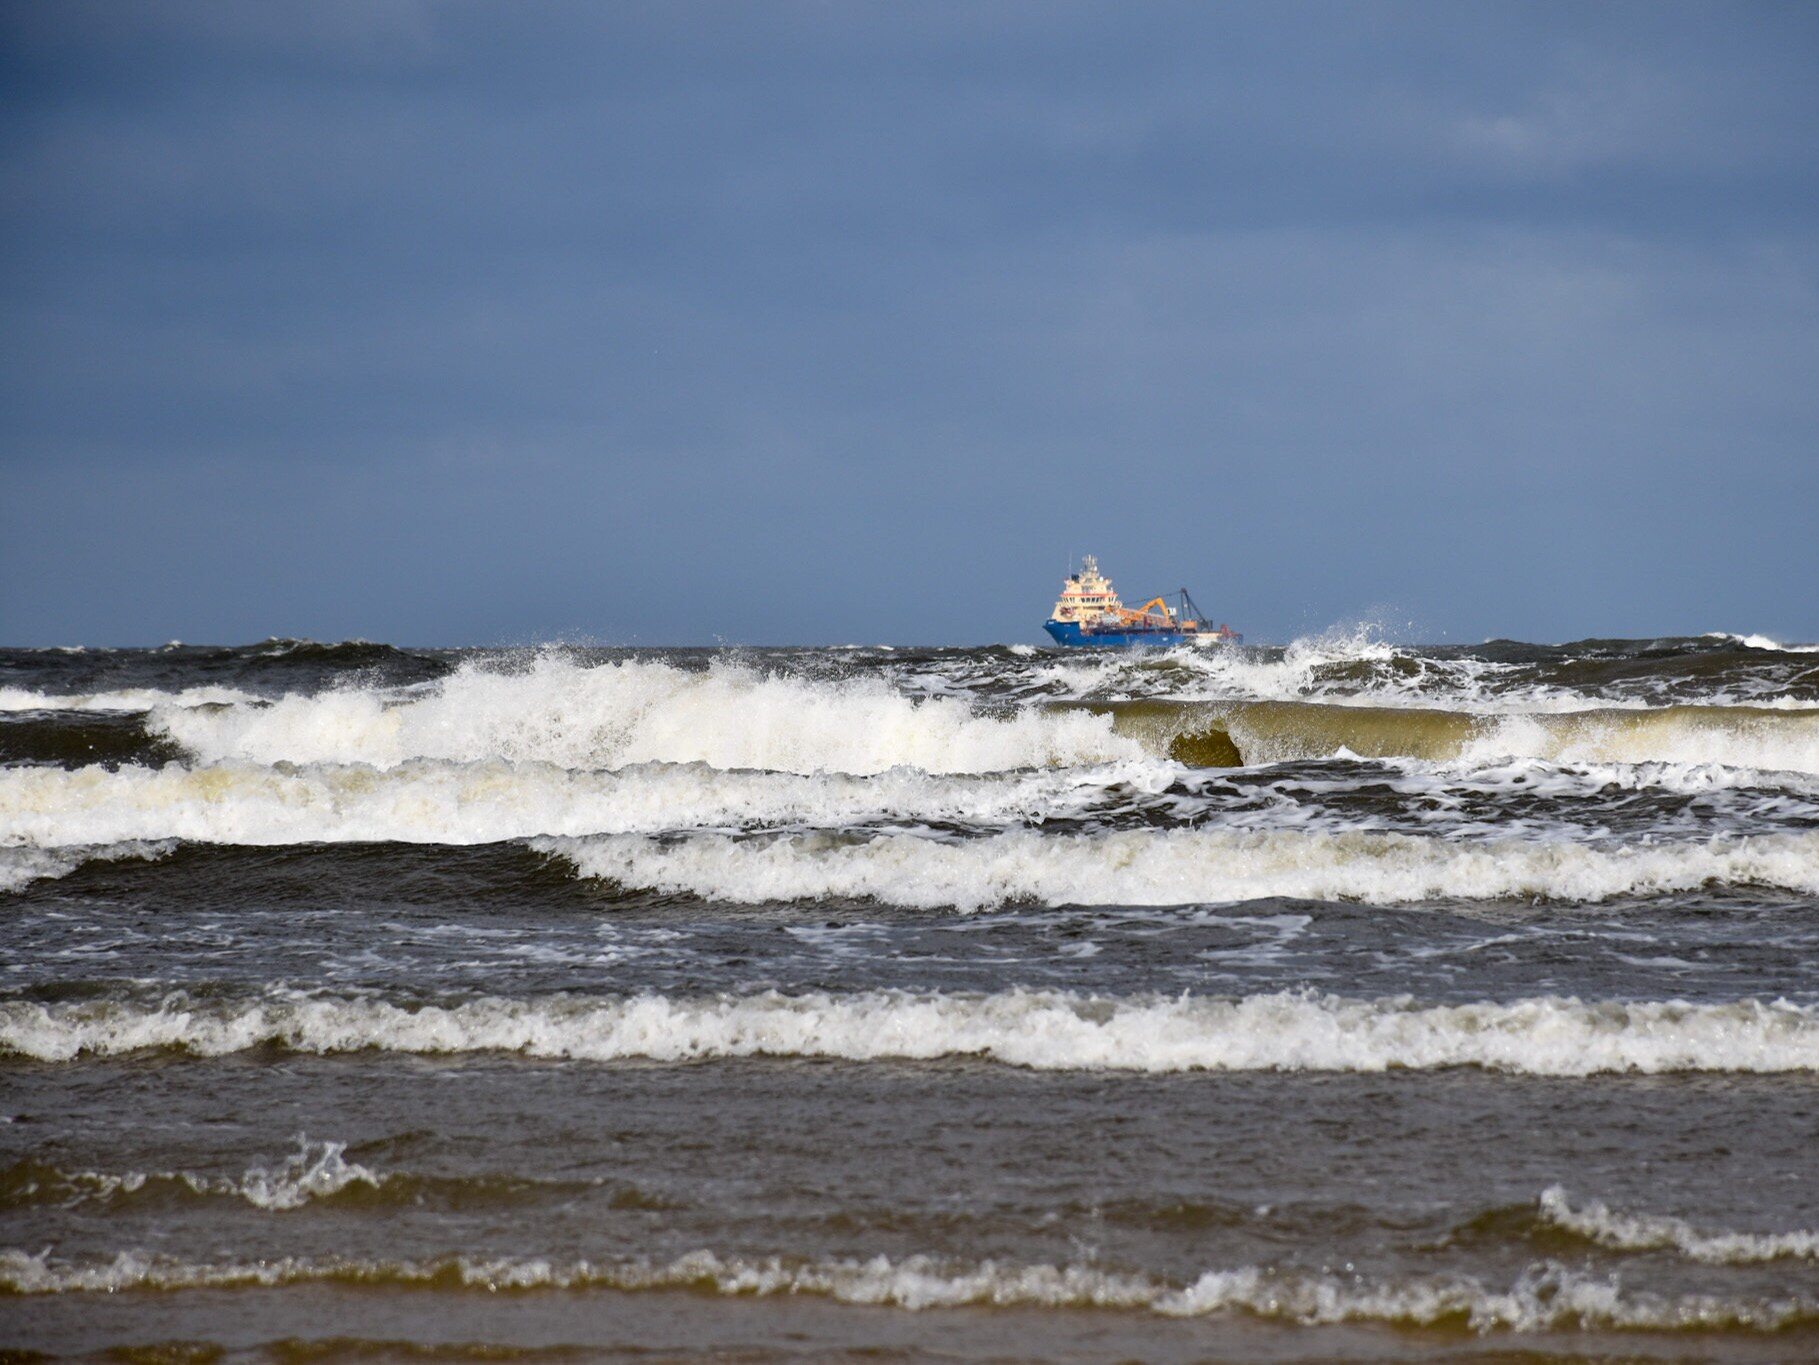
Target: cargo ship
(1089, 614)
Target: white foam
(643, 711)
(1294, 675)
(1656, 1232)
(1045, 1030)
(1540, 776)
(1355, 665)
(1180, 866)
(1544, 1297)
(313, 1171)
(430, 801)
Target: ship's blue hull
(1070, 634)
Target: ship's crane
(1157, 611)
(1153, 612)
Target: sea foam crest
(1046, 1030)
(1762, 642)
(1600, 1223)
(727, 715)
(1179, 866)
(14, 699)
(1356, 664)
(1544, 1297)
(21, 866)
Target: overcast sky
(675, 323)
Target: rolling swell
(21, 866)
(432, 801)
(1041, 1030)
(1180, 867)
(1544, 1297)
(83, 676)
(1015, 867)
(75, 739)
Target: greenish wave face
(1235, 733)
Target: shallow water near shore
(1342, 1000)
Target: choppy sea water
(1345, 1000)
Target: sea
(1343, 1000)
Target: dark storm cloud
(471, 322)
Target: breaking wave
(1178, 867)
(1544, 1297)
(1359, 665)
(730, 715)
(640, 711)
(431, 801)
(428, 801)
(1763, 642)
(20, 867)
(314, 1171)
(1042, 1030)
(1598, 1222)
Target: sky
(676, 323)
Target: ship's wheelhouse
(1087, 595)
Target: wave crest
(727, 715)
(1544, 1297)
(1598, 1222)
(1044, 1030)
(1179, 867)
(21, 866)
(730, 715)
(429, 801)
(314, 1171)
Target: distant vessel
(1089, 613)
